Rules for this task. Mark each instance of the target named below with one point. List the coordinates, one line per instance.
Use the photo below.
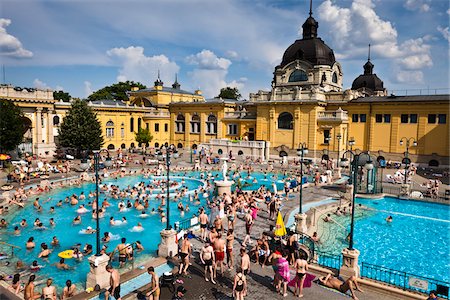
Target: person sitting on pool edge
(340, 285)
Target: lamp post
(350, 266)
(338, 137)
(170, 152)
(300, 218)
(406, 159)
(351, 143)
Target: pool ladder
(10, 245)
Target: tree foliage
(229, 93)
(143, 136)
(61, 95)
(80, 128)
(116, 91)
(11, 125)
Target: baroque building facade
(306, 104)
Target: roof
(313, 50)
(393, 98)
(108, 102)
(167, 90)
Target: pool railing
(404, 280)
(329, 260)
(185, 224)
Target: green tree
(61, 95)
(229, 93)
(143, 137)
(80, 128)
(11, 125)
(116, 91)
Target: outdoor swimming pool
(417, 241)
(69, 234)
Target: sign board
(418, 283)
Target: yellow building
(306, 104)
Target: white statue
(224, 170)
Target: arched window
(132, 145)
(334, 78)
(156, 145)
(122, 146)
(131, 124)
(220, 151)
(240, 152)
(195, 124)
(139, 123)
(110, 147)
(285, 121)
(211, 124)
(56, 120)
(110, 129)
(179, 124)
(180, 146)
(298, 75)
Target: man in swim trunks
(114, 289)
(154, 292)
(207, 258)
(203, 218)
(122, 249)
(219, 253)
(186, 250)
(340, 285)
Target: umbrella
(280, 229)
(4, 156)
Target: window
(147, 126)
(404, 118)
(298, 75)
(362, 118)
(195, 124)
(334, 78)
(131, 124)
(122, 133)
(179, 124)
(285, 121)
(413, 118)
(442, 118)
(56, 120)
(232, 129)
(139, 123)
(211, 124)
(156, 127)
(431, 119)
(387, 118)
(166, 127)
(109, 128)
(355, 118)
(378, 118)
(326, 136)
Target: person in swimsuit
(45, 252)
(122, 249)
(230, 240)
(207, 258)
(203, 218)
(186, 250)
(301, 266)
(114, 280)
(29, 293)
(16, 284)
(69, 290)
(154, 292)
(248, 226)
(240, 285)
(340, 285)
(219, 253)
(49, 291)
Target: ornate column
(50, 140)
(38, 129)
(187, 128)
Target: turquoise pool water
(417, 241)
(69, 234)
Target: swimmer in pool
(389, 219)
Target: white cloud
(9, 44)
(357, 26)
(445, 32)
(207, 60)
(135, 65)
(39, 84)
(59, 88)
(87, 88)
(420, 5)
(231, 54)
(210, 74)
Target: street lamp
(406, 159)
(355, 164)
(301, 151)
(84, 165)
(338, 137)
(351, 143)
(171, 152)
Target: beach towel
(306, 284)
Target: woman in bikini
(240, 285)
(69, 290)
(301, 266)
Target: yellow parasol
(4, 156)
(280, 229)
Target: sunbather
(340, 285)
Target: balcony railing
(245, 144)
(240, 115)
(332, 116)
(157, 114)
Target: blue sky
(81, 46)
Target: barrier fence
(329, 260)
(405, 281)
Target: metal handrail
(10, 245)
(334, 221)
(404, 280)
